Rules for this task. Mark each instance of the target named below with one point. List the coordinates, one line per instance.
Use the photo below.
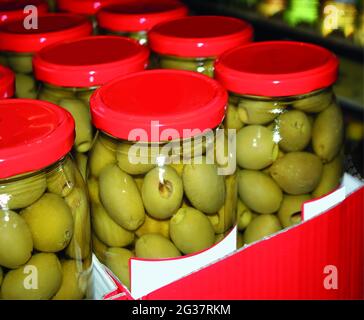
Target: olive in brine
(117, 260)
(101, 155)
(290, 211)
(25, 86)
(152, 225)
(155, 246)
(61, 181)
(244, 216)
(314, 103)
(262, 226)
(232, 119)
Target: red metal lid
(33, 135)
(90, 61)
(277, 68)
(7, 83)
(14, 9)
(86, 7)
(199, 36)
(158, 100)
(52, 28)
(142, 15)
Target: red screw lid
(7, 83)
(199, 36)
(14, 9)
(51, 28)
(142, 15)
(33, 135)
(86, 7)
(277, 69)
(158, 100)
(90, 61)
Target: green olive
(328, 133)
(16, 243)
(81, 160)
(232, 119)
(101, 155)
(93, 190)
(179, 64)
(259, 191)
(204, 188)
(81, 113)
(290, 211)
(155, 246)
(294, 129)
(47, 96)
(85, 96)
(240, 241)
(191, 231)
(261, 227)
(315, 102)
(332, 173)
(117, 260)
(152, 225)
(50, 222)
(297, 172)
(162, 192)
(219, 237)
(126, 157)
(107, 230)
(22, 63)
(99, 249)
(244, 215)
(25, 86)
(21, 193)
(17, 284)
(256, 147)
(258, 112)
(139, 180)
(61, 180)
(121, 198)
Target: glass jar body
(146, 206)
(289, 150)
(45, 234)
(140, 36)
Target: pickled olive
(101, 155)
(16, 243)
(314, 103)
(259, 191)
(25, 86)
(240, 241)
(99, 249)
(331, 176)
(81, 160)
(162, 192)
(126, 157)
(21, 63)
(23, 192)
(262, 226)
(93, 190)
(152, 225)
(219, 237)
(47, 96)
(72, 287)
(117, 260)
(224, 151)
(294, 130)
(232, 119)
(121, 198)
(204, 188)
(57, 92)
(139, 180)
(155, 246)
(79, 247)
(244, 216)
(328, 133)
(297, 172)
(85, 96)
(50, 222)
(179, 64)
(108, 231)
(178, 167)
(62, 180)
(291, 206)
(81, 113)
(258, 112)
(191, 231)
(255, 147)
(49, 279)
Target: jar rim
(140, 15)
(277, 68)
(199, 36)
(88, 7)
(34, 134)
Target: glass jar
(18, 45)
(45, 238)
(70, 72)
(134, 19)
(7, 83)
(156, 188)
(14, 9)
(289, 139)
(194, 43)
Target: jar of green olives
(134, 19)
(70, 71)
(7, 83)
(45, 233)
(289, 139)
(18, 44)
(194, 43)
(156, 188)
